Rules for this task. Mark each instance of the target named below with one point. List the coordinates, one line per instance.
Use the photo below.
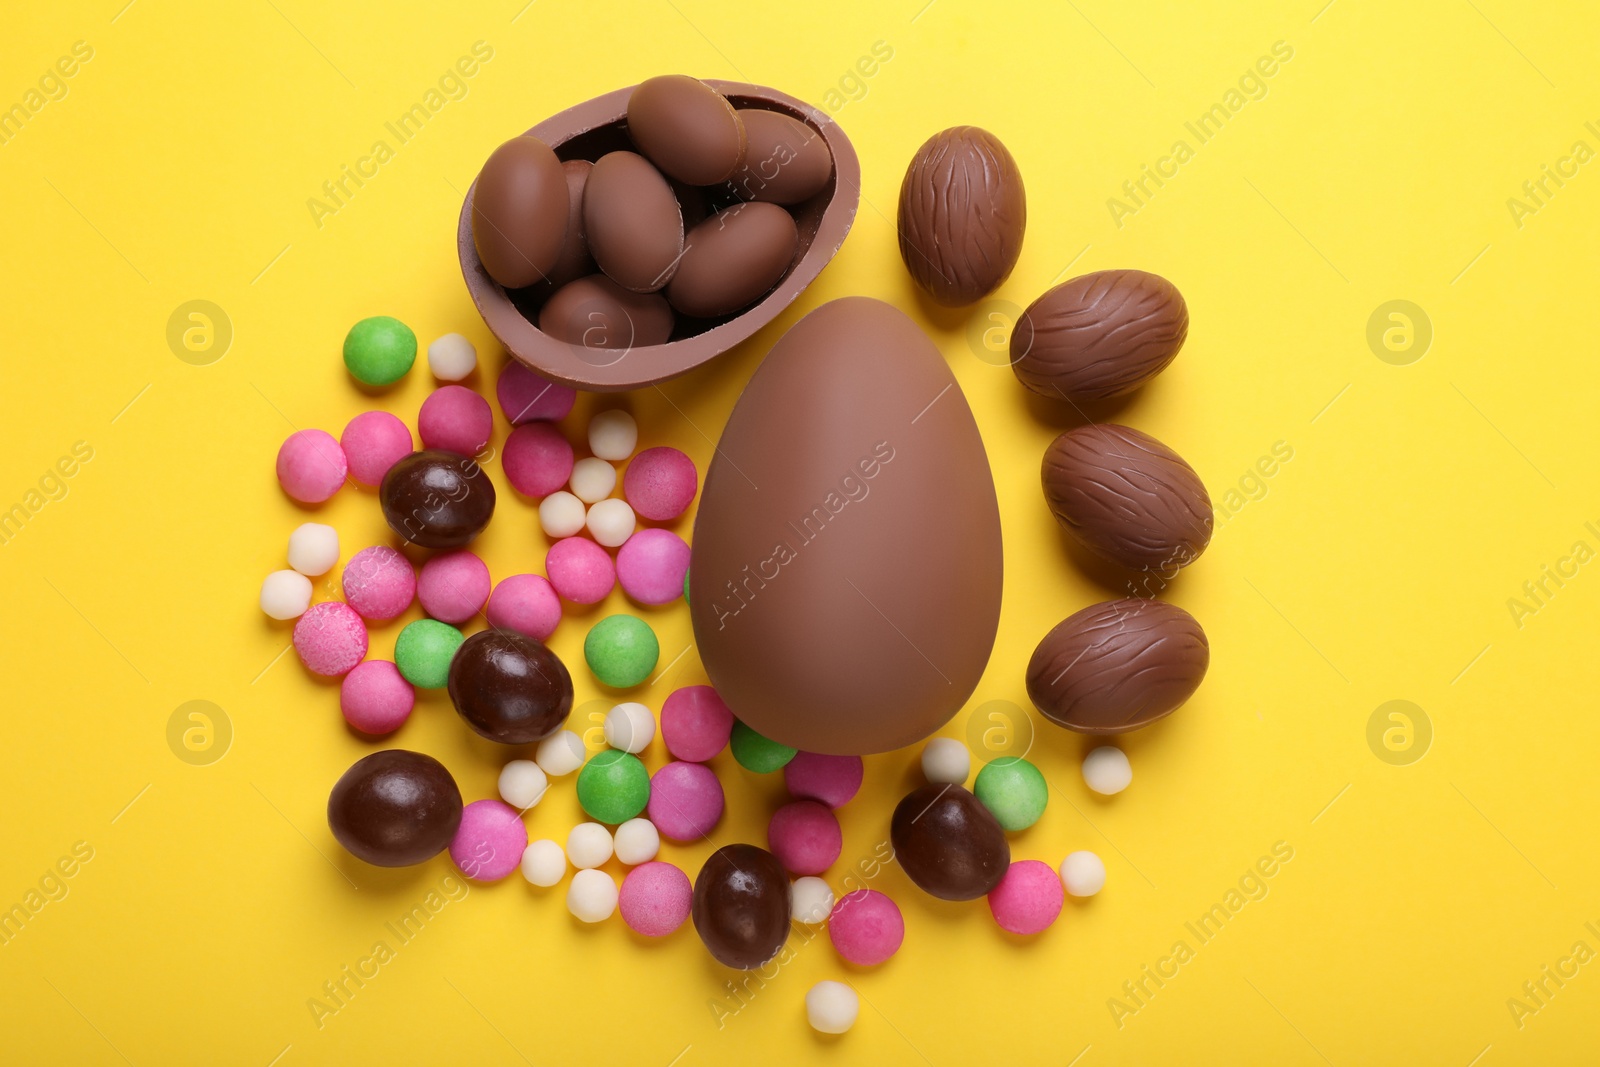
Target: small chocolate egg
(574, 260)
(395, 808)
(1127, 498)
(686, 128)
(632, 221)
(948, 843)
(785, 161)
(741, 905)
(962, 215)
(1099, 336)
(1116, 666)
(732, 259)
(597, 313)
(519, 212)
(437, 499)
(509, 687)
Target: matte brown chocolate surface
(1116, 666)
(1127, 498)
(846, 570)
(395, 808)
(948, 843)
(785, 161)
(437, 499)
(574, 260)
(962, 215)
(741, 905)
(632, 222)
(519, 220)
(732, 258)
(509, 687)
(597, 313)
(1099, 336)
(686, 128)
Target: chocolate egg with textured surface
(509, 687)
(395, 808)
(1099, 336)
(632, 221)
(741, 905)
(686, 128)
(785, 161)
(962, 214)
(948, 843)
(519, 212)
(1119, 665)
(732, 258)
(437, 499)
(846, 570)
(597, 313)
(1127, 498)
(574, 261)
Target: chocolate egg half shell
(845, 581)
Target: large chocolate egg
(395, 808)
(519, 212)
(962, 215)
(632, 222)
(741, 905)
(437, 499)
(732, 258)
(948, 843)
(845, 582)
(509, 687)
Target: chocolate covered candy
(686, 128)
(948, 843)
(741, 905)
(962, 214)
(632, 222)
(519, 212)
(395, 808)
(509, 687)
(1119, 665)
(785, 161)
(732, 258)
(437, 499)
(1099, 336)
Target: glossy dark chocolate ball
(437, 499)
(509, 687)
(741, 905)
(395, 808)
(948, 843)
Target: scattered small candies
(660, 483)
(560, 754)
(313, 548)
(832, 1007)
(379, 582)
(373, 442)
(456, 419)
(537, 459)
(375, 699)
(423, 652)
(1028, 898)
(833, 780)
(580, 570)
(610, 522)
(946, 760)
(561, 514)
(592, 896)
(588, 845)
(453, 586)
(866, 927)
(655, 898)
(522, 784)
(592, 479)
(805, 836)
(652, 565)
(1013, 790)
(1106, 770)
(452, 357)
(526, 397)
(613, 434)
(285, 594)
(695, 723)
(810, 900)
(621, 650)
(311, 466)
(757, 754)
(490, 842)
(1083, 873)
(630, 727)
(613, 787)
(543, 862)
(330, 638)
(379, 351)
(637, 841)
(685, 801)
(526, 603)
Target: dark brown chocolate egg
(509, 687)
(600, 317)
(1117, 666)
(395, 808)
(962, 214)
(1127, 498)
(574, 260)
(785, 161)
(733, 258)
(1099, 336)
(948, 843)
(741, 905)
(437, 499)
(686, 128)
(632, 222)
(519, 212)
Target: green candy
(686, 585)
(621, 650)
(613, 787)
(758, 754)
(423, 652)
(379, 350)
(1013, 790)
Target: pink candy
(311, 466)
(526, 397)
(695, 723)
(379, 582)
(804, 835)
(830, 779)
(526, 603)
(453, 587)
(537, 459)
(373, 442)
(866, 927)
(685, 801)
(651, 565)
(330, 638)
(455, 418)
(660, 483)
(1028, 898)
(655, 898)
(375, 699)
(490, 841)
(580, 570)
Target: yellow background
(1376, 567)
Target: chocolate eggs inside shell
(574, 260)
(1127, 498)
(741, 905)
(1119, 665)
(948, 843)
(632, 222)
(785, 161)
(395, 808)
(595, 313)
(962, 215)
(1099, 336)
(686, 128)
(519, 212)
(732, 258)
(437, 499)
(846, 570)
(509, 687)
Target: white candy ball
(611, 522)
(612, 434)
(561, 514)
(637, 842)
(522, 783)
(313, 548)
(1106, 770)
(832, 1007)
(946, 760)
(810, 900)
(630, 727)
(285, 594)
(1083, 873)
(593, 479)
(592, 896)
(543, 862)
(560, 754)
(451, 357)
(588, 845)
